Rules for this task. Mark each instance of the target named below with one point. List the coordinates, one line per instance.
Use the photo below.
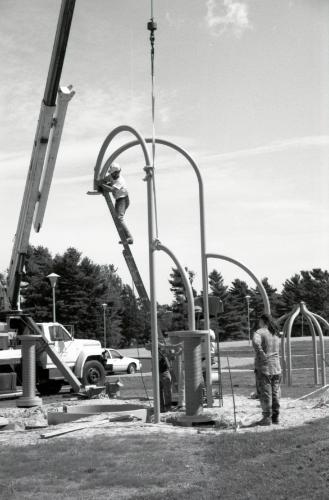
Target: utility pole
(104, 322)
(248, 316)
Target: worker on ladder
(115, 183)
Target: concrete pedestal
(28, 361)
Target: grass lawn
(281, 464)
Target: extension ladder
(133, 269)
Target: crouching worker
(115, 183)
(266, 344)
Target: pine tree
(113, 311)
(72, 296)
(218, 289)
(236, 311)
(131, 325)
(257, 305)
(179, 320)
(36, 297)
(311, 287)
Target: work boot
(275, 419)
(265, 421)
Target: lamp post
(53, 277)
(104, 322)
(248, 316)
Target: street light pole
(104, 322)
(248, 316)
(53, 277)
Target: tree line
(243, 305)
(88, 293)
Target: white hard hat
(115, 167)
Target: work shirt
(164, 365)
(266, 347)
(120, 188)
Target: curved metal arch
(288, 326)
(322, 320)
(313, 323)
(204, 268)
(282, 318)
(150, 206)
(315, 349)
(193, 164)
(322, 350)
(187, 284)
(122, 128)
(259, 284)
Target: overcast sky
(243, 86)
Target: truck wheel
(50, 387)
(132, 368)
(93, 373)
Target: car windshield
(115, 354)
(58, 333)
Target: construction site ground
(233, 409)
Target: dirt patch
(293, 413)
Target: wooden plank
(101, 407)
(120, 417)
(55, 418)
(62, 431)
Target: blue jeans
(269, 387)
(121, 205)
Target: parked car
(116, 362)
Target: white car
(116, 362)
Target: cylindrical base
(28, 402)
(28, 361)
(177, 374)
(192, 368)
(193, 376)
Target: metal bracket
(149, 172)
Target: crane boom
(44, 153)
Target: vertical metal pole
(220, 387)
(104, 316)
(205, 291)
(248, 317)
(54, 303)
(153, 308)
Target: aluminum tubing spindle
(28, 361)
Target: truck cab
(83, 356)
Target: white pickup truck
(83, 356)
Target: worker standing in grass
(115, 183)
(266, 344)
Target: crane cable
(152, 26)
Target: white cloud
(174, 21)
(224, 15)
(274, 147)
